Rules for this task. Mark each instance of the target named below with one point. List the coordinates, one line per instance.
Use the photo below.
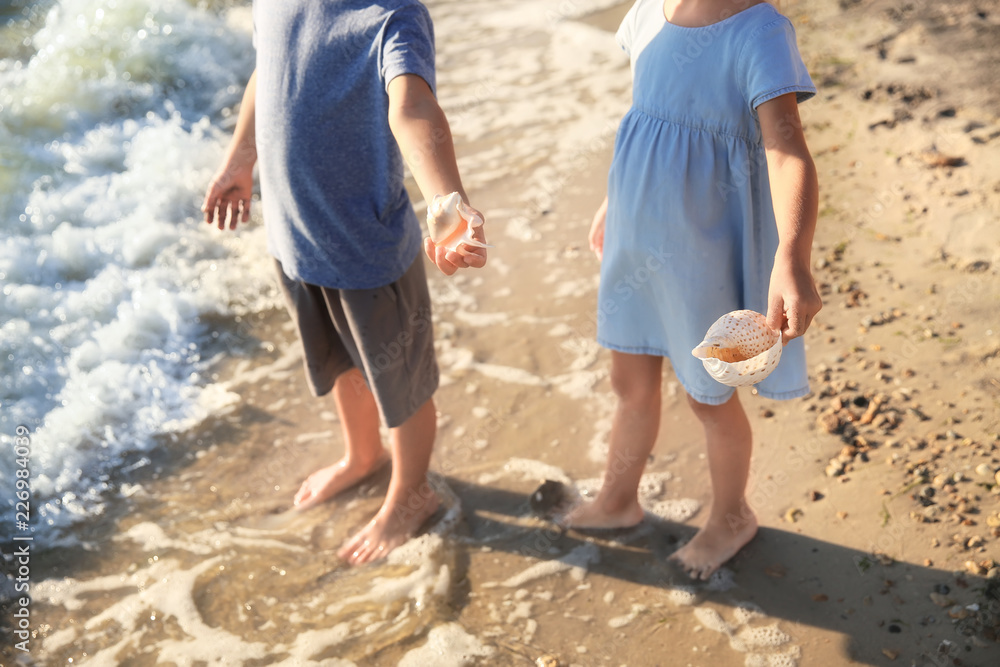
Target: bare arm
(792, 297)
(229, 193)
(424, 137)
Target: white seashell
(739, 350)
(451, 222)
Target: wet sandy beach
(877, 494)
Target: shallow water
(112, 117)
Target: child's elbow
(794, 161)
(409, 111)
(811, 174)
(409, 97)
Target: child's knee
(634, 388)
(707, 412)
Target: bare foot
(597, 514)
(394, 524)
(714, 544)
(328, 482)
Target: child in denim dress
(711, 207)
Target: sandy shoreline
(856, 562)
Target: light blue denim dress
(690, 232)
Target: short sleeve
(626, 31)
(771, 65)
(408, 45)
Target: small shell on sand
(739, 350)
(451, 223)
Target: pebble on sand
(793, 515)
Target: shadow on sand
(872, 603)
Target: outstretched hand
(228, 197)
(792, 299)
(463, 257)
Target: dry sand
(876, 494)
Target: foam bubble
(153, 538)
(315, 642)
(652, 484)
(526, 469)
(447, 645)
(530, 628)
(766, 636)
(510, 374)
(597, 449)
(788, 658)
(682, 596)
(579, 384)
(677, 510)
(622, 621)
(746, 612)
(483, 319)
(428, 579)
(761, 643)
(712, 620)
(576, 562)
(521, 610)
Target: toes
(696, 571)
(369, 553)
(306, 497)
(376, 553)
(353, 554)
(361, 555)
(702, 571)
(349, 551)
(363, 547)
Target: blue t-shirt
(331, 173)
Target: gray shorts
(385, 332)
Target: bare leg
(731, 523)
(636, 379)
(364, 455)
(410, 499)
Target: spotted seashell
(739, 350)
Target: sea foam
(110, 130)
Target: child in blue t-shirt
(342, 94)
(711, 208)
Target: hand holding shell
(451, 223)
